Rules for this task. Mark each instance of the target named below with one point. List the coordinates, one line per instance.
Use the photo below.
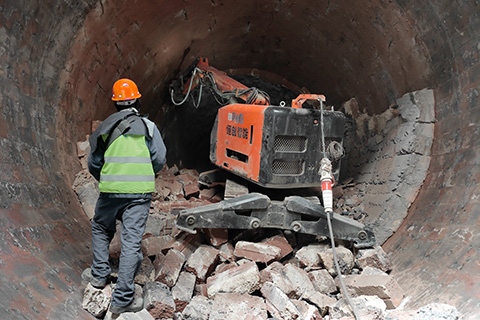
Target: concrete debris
(382, 286)
(299, 279)
(96, 301)
(238, 306)
(345, 260)
(322, 301)
(225, 266)
(226, 252)
(86, 188)
(141, 315)
(242, 279)
(216, 274)
(308, 255)
(200, 289)
(437, 311)
(368, 307)
(198, 309)
(273, 273)
(307, 311)
(159, 300)
(433, 311)
(376, 258)
(278, 302)
(322, 281)
(371, 270)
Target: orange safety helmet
(125, 89)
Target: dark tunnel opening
(397, 59)
(187, 127)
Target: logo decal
(237, 118)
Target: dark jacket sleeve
(158, 151)
(96, 157)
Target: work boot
(96, 283)
(135, 306)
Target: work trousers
(133, 214)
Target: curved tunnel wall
(59, 61)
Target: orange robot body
(240, 127)
(274, 147)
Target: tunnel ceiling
(337, 49)
(59, 61)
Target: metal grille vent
(287, 167)
(290, 144)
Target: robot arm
(200, 73)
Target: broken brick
(191, 190)
(226, 252)
(224, 267)
(376, 258)
(146, 272)
(242, 279)
(183, 290)
(190, 185)
(202, 262)
(231, 305)
(83, 148)
(259, 252)
(299, 280)
(158, 262)
(191, 172)
(199, 308)
(213, 194)
(307, 311)
(187, 243)
(201, 289)
(96, 301)
(158, 300)
(322, 281)
(279, 301)
(383, 286)
(281, 242)
(321, 301)
(345, 260)
(308, 255)
(274, 273)
(216, 237)
(367, 307)
(171, 267)
(154, 245)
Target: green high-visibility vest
(127, 167)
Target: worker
(127, 151)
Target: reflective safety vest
(127, 167)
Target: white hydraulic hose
(327, 197)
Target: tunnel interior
(60, 60)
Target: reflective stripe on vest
(127, 167)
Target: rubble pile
(249, 274)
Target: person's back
(127, 151)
